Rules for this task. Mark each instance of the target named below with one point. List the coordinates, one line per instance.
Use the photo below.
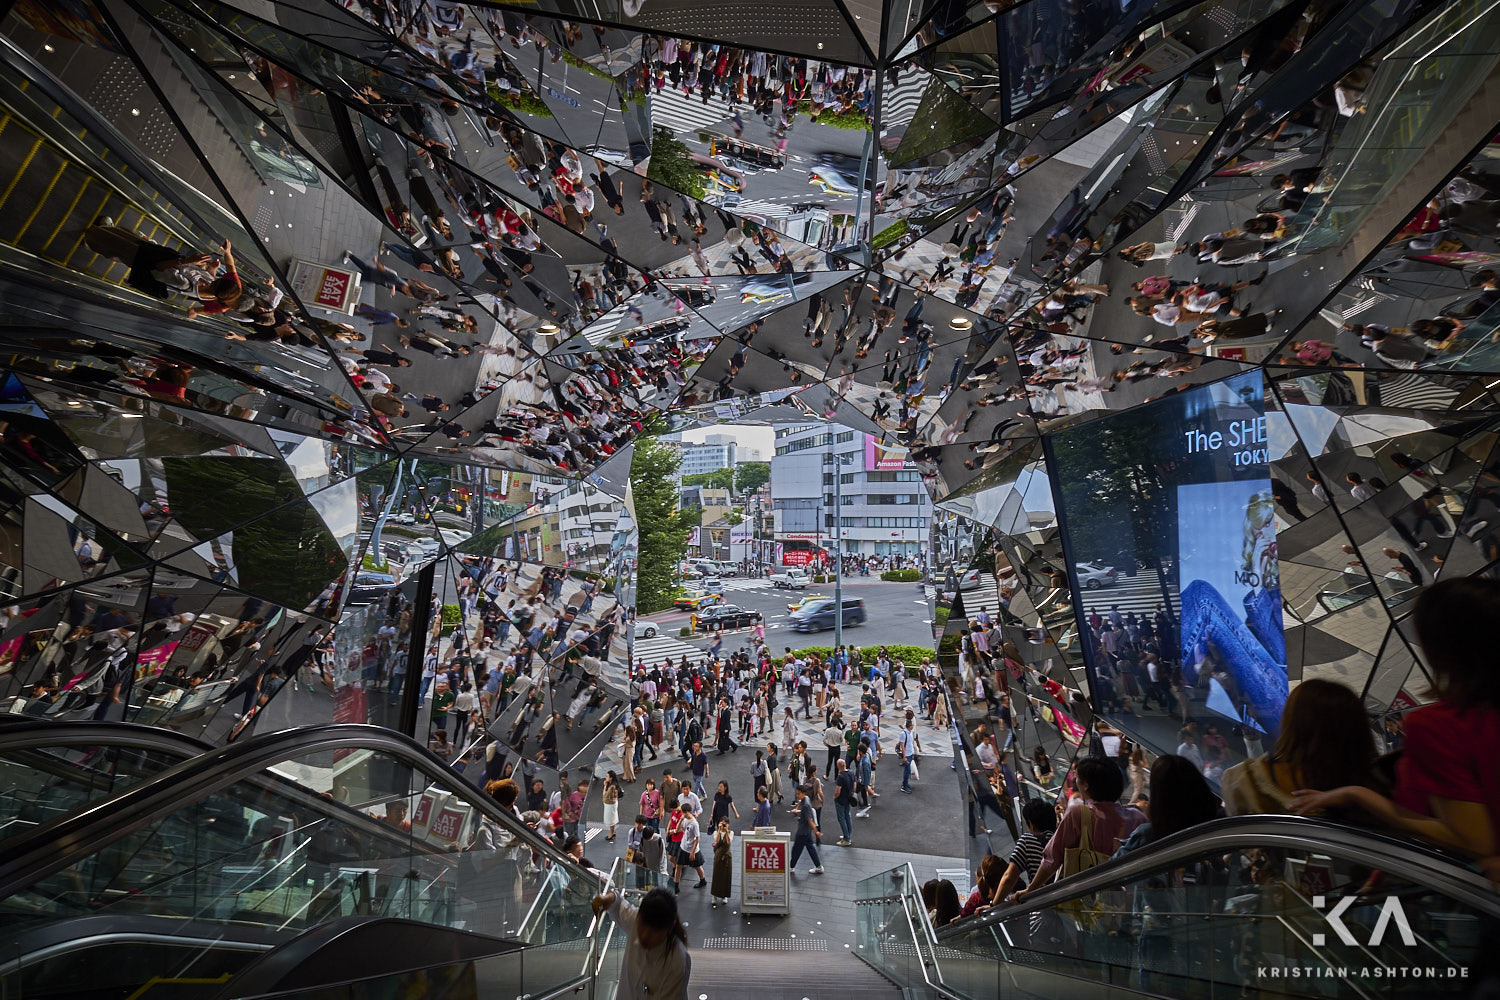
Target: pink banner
(153, 660)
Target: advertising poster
(882, 458)
(765, 877)
(1170, 539)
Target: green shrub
(901, 575)
(684, 631)
(912, 656)
(451, 615)
(890, 234)
(822, 578)
(369, 562)
(853, 120)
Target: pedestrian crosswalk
(662, 647)
(899, 103)
(769, 209)
(1141, 594)
(673, 110)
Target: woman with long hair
(611, 795)
(1325, 742)
(723, 863)
(1180, 798)
(656, 962)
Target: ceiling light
(136, 112)
(48, 48)
(960, 322)
(132, 416)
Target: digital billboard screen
(1170, 536)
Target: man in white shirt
(906, 749)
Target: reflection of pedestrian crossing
(769, 209)
(662, 647)
(899, 103)
(673, 110)
(1141, 594)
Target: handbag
(1083, 857)
(630, 855)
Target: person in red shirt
(1448, 777)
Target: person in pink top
(651, 805)
(1100, 785)
(1448, 778)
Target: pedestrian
(773, 772)
(723, 805)
(807, 834)
(723, 863)
(758, 771)
(689, 852)
(656, 962)
(651, 804)
(698, 763)
(611, 797)
(906, 751)
(843, 802)
(762, 808)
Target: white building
(708, 457)
(884, 508)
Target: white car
(1095, 575)
(645, 630)
(792, 579)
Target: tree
(672, 164)
(719, 479)
(751, 476)
(663, 529)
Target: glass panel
(353, 832)
(45, 782)
(1280, 922)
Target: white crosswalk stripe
(1141, 594)
(674, 110)
(899, 103)
(661, 647)
(770, 209)
(746, 584)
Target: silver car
(1095, 575)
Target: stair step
(734, 974)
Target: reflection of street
(1140, 593)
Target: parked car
(808, 600)
(370, 586)
(645, 630)
(1095, 575)
(727, 616)
(695, 599)
(792, 579)
(820, 615)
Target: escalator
(139, 864)
(1250, 906)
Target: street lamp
(838, 540)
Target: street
(895, 612)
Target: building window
(844, 437)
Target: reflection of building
(883, 506)
(698, 459)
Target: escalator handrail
(57, 845)
(30, 733)
(1404, 858)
